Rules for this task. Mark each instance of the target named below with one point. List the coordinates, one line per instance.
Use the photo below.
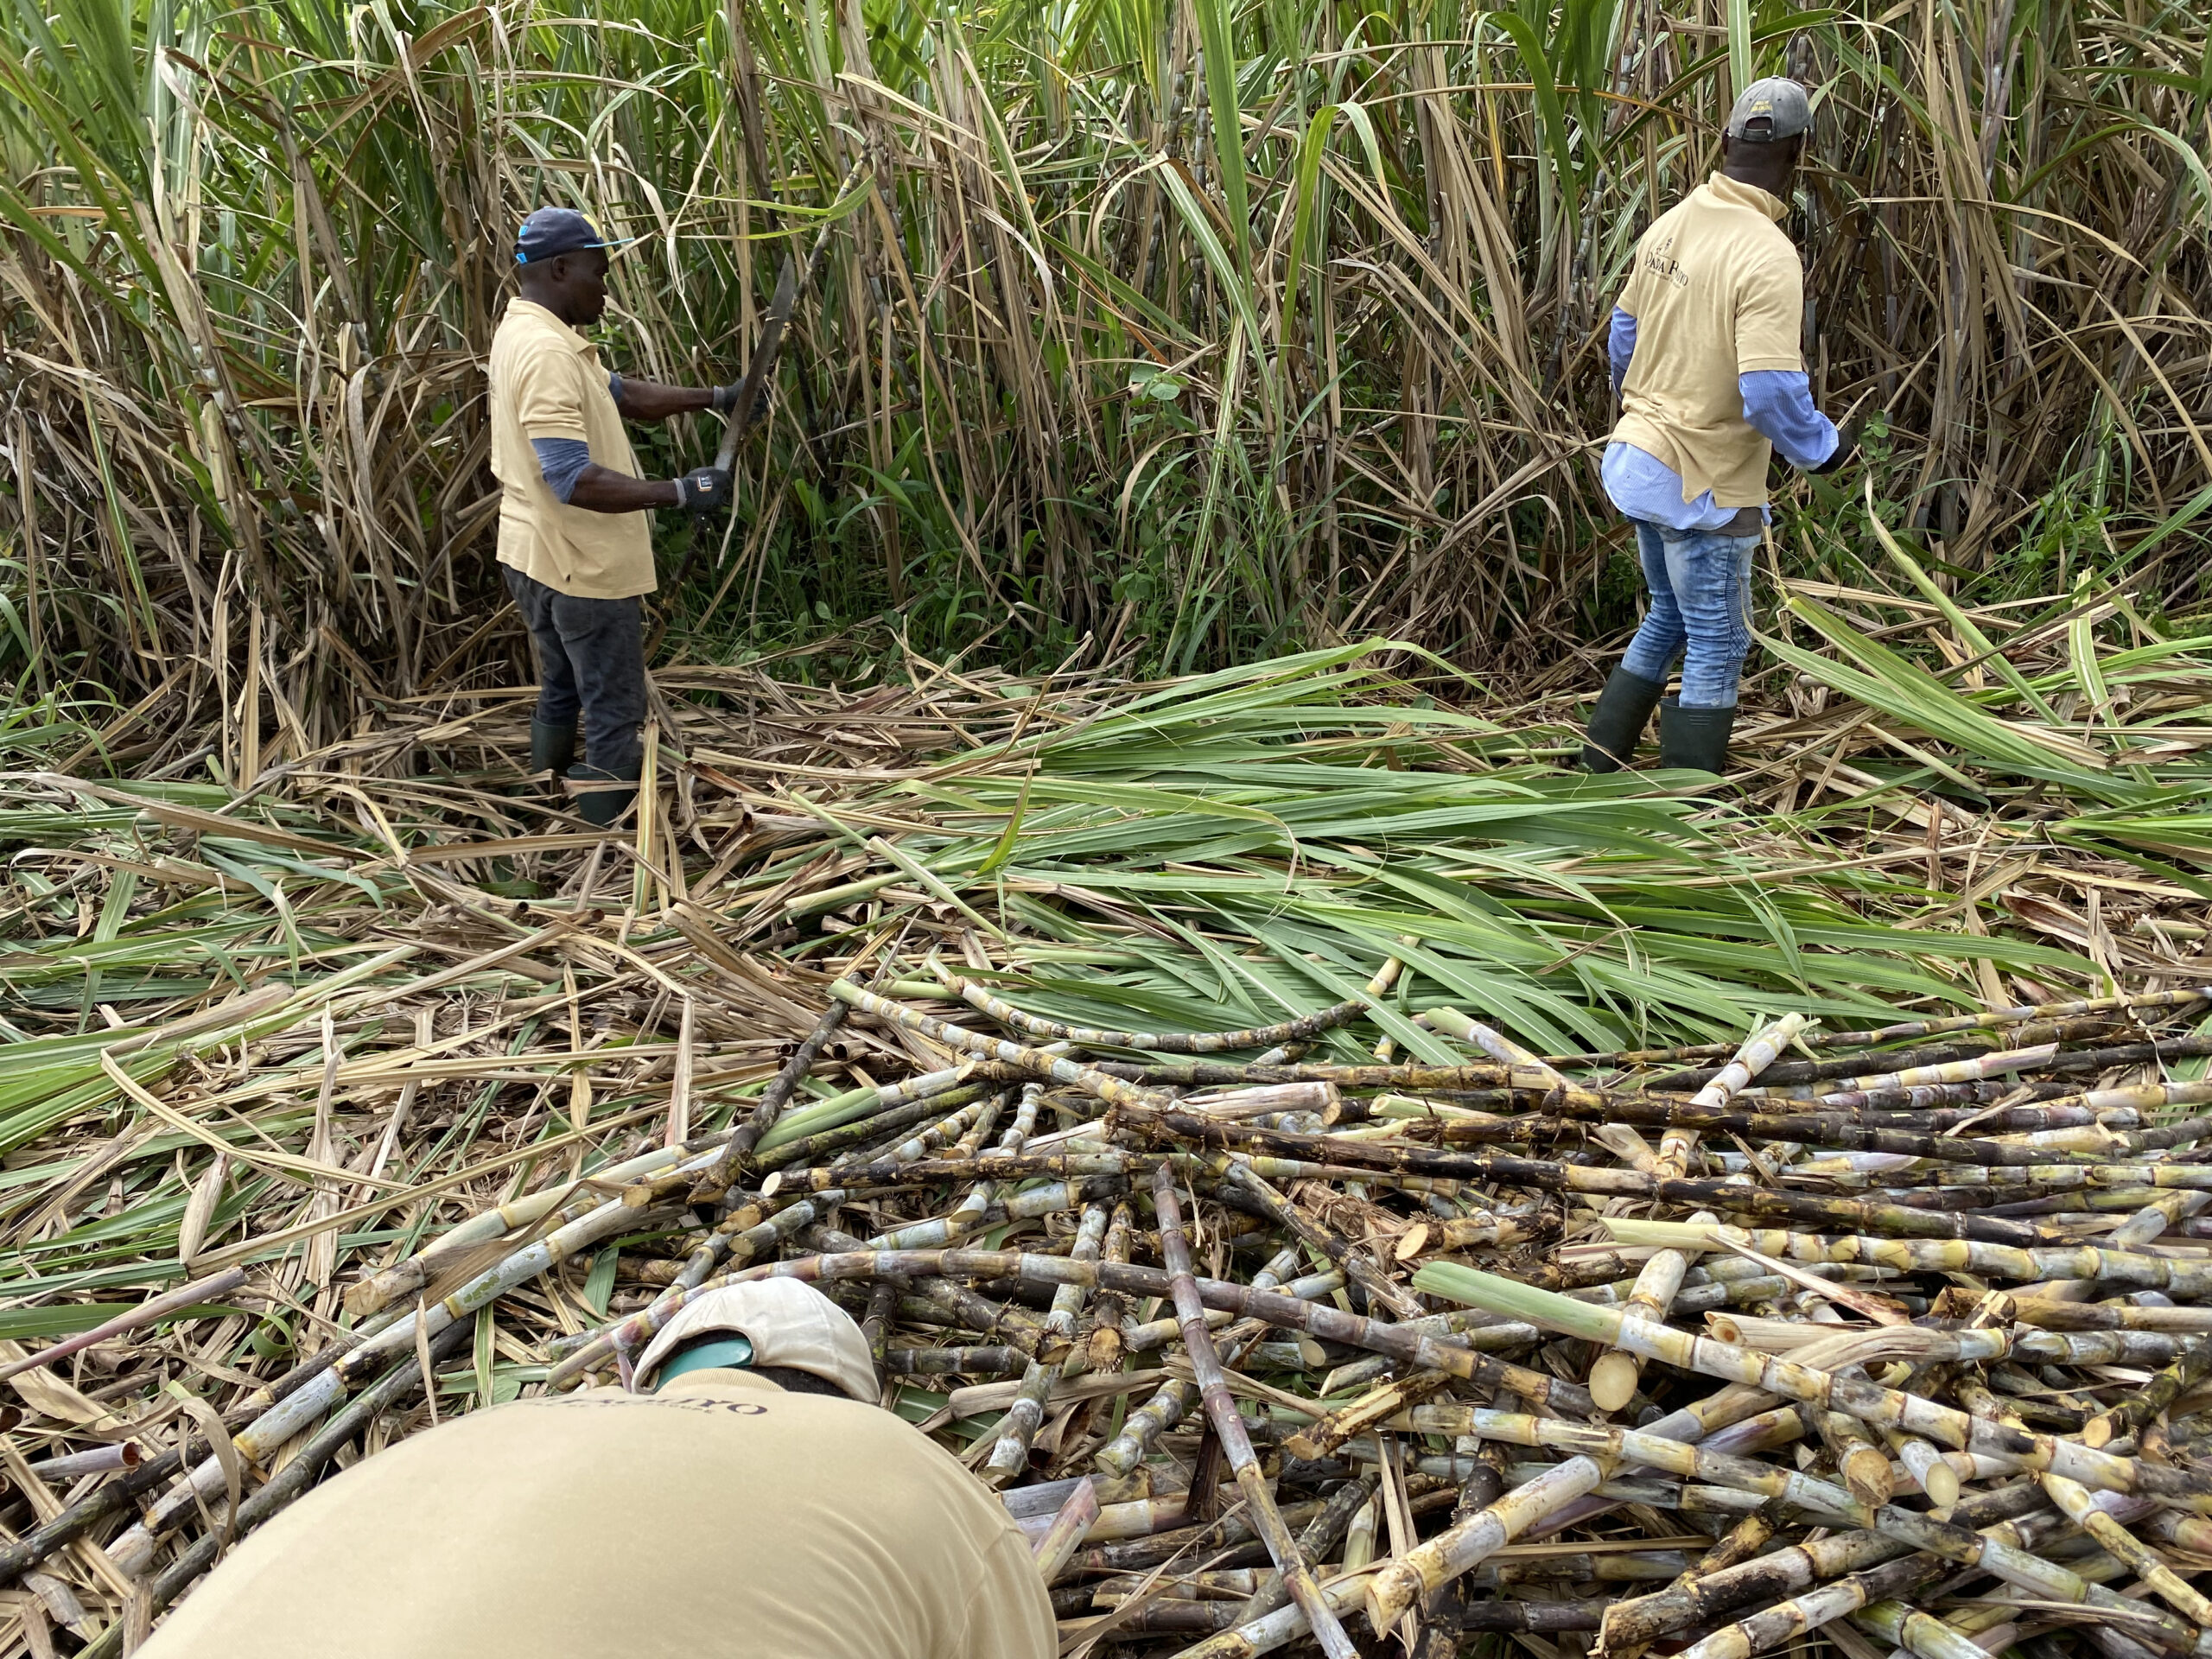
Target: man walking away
(749, 1502)
(574, 533)
(1706, 359)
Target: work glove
(1846, 447)
(725, 398)
(704, 490)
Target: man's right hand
(704, 489)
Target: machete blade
(764, 361)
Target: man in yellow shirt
(1706, 359)
(574, 531)
(750, 1502)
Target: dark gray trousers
(591, 661)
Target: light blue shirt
(1777, 403)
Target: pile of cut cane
(1900, 1336)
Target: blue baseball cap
(551, 231)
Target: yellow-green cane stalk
(1010, 1445)
(1871, 1403)
(2079, 1507)
(2035, 1264)
(1613, 1378)
(2149, 1224)
(1996, 1553)
(1034, 1061)
(1973, 1071)
(1921, 1635)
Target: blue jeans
(1701, 586)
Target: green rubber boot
(1624, 709)
(1696, 738)
(552, 748)
(602, 807)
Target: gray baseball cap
(1776, 107)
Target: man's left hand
(725, 398)
(704, 490)
(1846, 446)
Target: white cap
(787, 1322)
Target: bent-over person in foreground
(749, 1502)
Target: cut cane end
(1941, 1484)
(1866, 1472)
(2096, 1432)
(1613, 1380)
(1387, 1600)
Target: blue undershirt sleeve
(1779, 403)
(614, 388)
(1620, 345)
(560, 462)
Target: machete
(789, 282)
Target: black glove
(725, 398)
(1846, 446)
(704, 489)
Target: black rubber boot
(1695, 738)
(1624, 709)
(552, 748)
(602, 807)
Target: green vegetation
(1080, 366)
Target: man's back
(1717, 292)
(722, 1516)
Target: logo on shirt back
(680, 1403)
(1660, 263)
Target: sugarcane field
(1164, 829)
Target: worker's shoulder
(527, 330)
(852, 1434)
(1668, 226)
(860, 1448)
(838, 1439)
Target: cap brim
(522, 259)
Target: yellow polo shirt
(547, 382)
(1717, 292)
(720, 1517)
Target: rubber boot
(552, 748)
(1696, 738)
(602, 807)
(1624, 709)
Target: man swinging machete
(574, 537)
(1706, 358)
